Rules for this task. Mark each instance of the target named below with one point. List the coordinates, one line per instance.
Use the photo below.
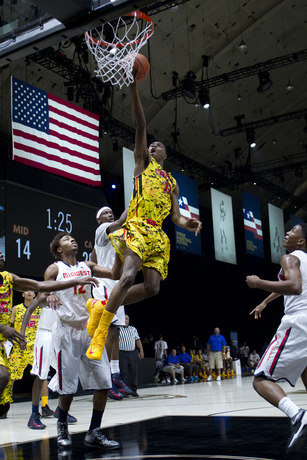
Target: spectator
(160, 353)
(185, 361)
(129, 342)
(216, 348)
(253, 359)
(244, 354)
(173, 367)
(203, 364)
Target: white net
(115, 59)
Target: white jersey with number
(105, 257)
(73, 309)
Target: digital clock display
(32, 220)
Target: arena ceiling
(250, 55)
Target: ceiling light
(204, 98)
(250, 137)
(289, 86)
(264, 82)
(239, 97)
(242, 46)
(188, 88)
(274, 141)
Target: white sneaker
(175, 381)
(218, 378)
(209, 379)
(183, 380)
(168, 379)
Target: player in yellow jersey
(141, 243)
(20, 359)
(8, 282)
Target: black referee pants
(128, 364)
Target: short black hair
(55, 244)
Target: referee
(129, 343)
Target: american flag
(252, 224)
(54, 135)
(187, 210)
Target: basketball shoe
(97, 344)
(299, 431)
(95, 308)
(35, 422)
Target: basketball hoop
(115, 59)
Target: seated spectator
(253, 359)
(195, 362)
(203, 363)
(172, 366)
(185, 361)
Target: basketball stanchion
(116, 58)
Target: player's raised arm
(141, 153)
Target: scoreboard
(32, 219)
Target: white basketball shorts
(70, 346)
(43, 353)
(286, 356)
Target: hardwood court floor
(220, 420)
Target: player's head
(61, 242)
(105, 214)
(28, 295)
(158, 151)
(296, 238)
(127, 320)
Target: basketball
(141, 67)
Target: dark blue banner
(188, 203)
(252, 225)
(295, 220)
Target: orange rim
(136, 13)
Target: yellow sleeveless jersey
(151, 199)
(32, 324)
(6, 300)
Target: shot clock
(33, 218)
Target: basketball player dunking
(141, 242)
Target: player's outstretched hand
(53, 301)
(88, 280)
(257, 311)
(194, 225)
(252, 281)
(12, 335)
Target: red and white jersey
(297, 303)
(73, 309)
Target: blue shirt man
(215, 346)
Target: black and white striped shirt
(127, 338)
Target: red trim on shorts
(40, 360)
(137, 196)
(267, 350)
(105, 292)
(60, 369)
(151, 222)
(279, 351)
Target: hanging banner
(223, 228)
(188, 203)
(252, 225)
(277, 232)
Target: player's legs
(269, 390)
(4, 379)
(131, 265)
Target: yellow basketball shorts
(19, 360)
(150, 243)
(7, 394)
